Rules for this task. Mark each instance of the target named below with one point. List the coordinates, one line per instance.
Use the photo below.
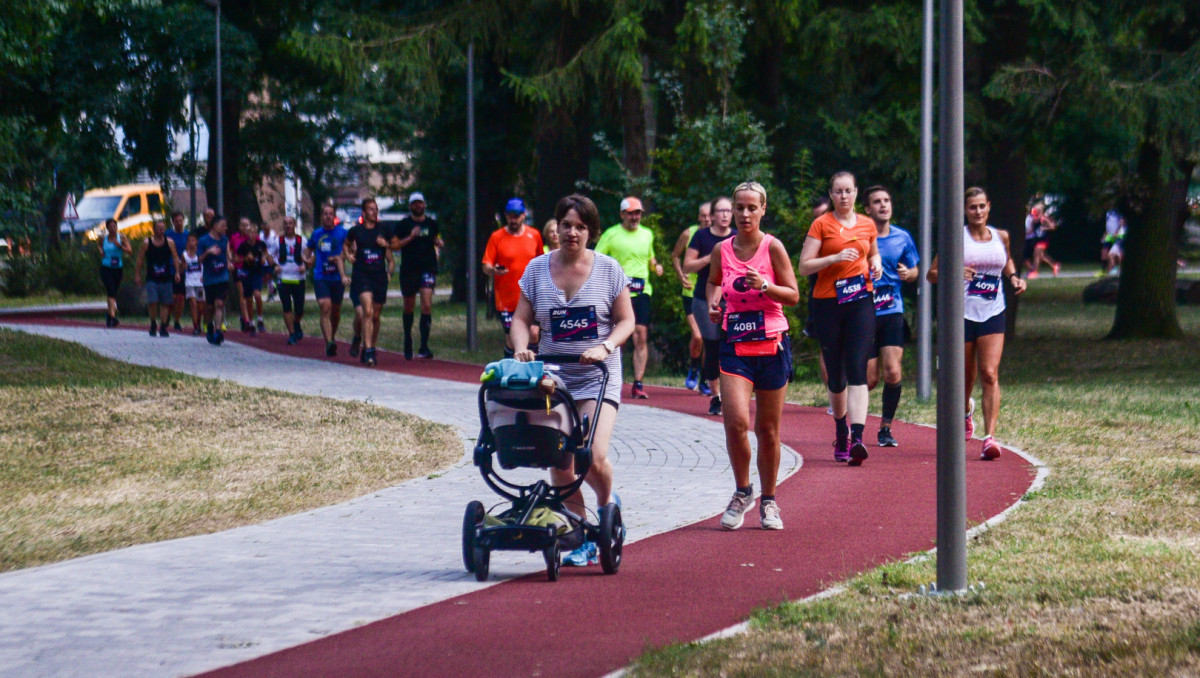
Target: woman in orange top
(841, 250)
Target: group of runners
(196, 269)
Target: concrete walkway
(188, 605)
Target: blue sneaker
(705, 389)
(692, 379)
(587, 554)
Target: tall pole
(472, 262)
(219, 115)
(924, 289)
(951, 401)
(192, 149)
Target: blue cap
(515, 206)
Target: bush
(73, 271)
(22, 275)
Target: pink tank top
(739, 298)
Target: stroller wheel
(612, 538)
(553, 561)
(483, 558)
(471, 520)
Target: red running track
(673, 587)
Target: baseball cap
(631, 204)
(515, 206)
(415, 197)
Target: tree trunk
(563, 151)
(53, 220)
(1008, 188)
(1146, 297)
(633, 124)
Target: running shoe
(425, 353)
(178, 328)
(246, 325)
(408, 350)
(638, 391)
(220, 338)
(362, 356)
(768, 514)
(299, 332)
(355, 343)
(224, 327)
(260, 326)
(211, 336)
(1056, 269)
(970, 421)
(705, 389)
(154, 329)
(692, 380)
(735, 513)
(858, 452)
(370, 357)
(829, 410)
(196, 331)
(714, 406)
(991, 449)
(291, 339)
(886, 439)
(162, 331)
(1032, 275)
(116, 321)
(330, 349)
(841, 449)
(252, 331)
(108, 321)
(587, 554)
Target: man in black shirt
(369, 247)
(420, 244)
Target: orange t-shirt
(513, 252)
(835, 238)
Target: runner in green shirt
(633, 247)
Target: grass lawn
(51, 298)
(1098, 573)
(97, 454)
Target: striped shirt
(599, 291)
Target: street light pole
(220, 208)
(924, 289)
(951, 400)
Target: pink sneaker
(970, 421)
(1056, 269)
(991, 449)
(841, 449)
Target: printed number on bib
(506, 320)
(371, 257)
(574, 323)
(114, 262)
(885, 299)
(851, 289)
(218, 264)
(428, 280)
(637, 285)
(985, 286)
(159, 270)
(745, 326)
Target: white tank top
(985, 294)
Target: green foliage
(73, 271)
(21, 275)
(711, 33)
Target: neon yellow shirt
(691, 277)
(633, 250)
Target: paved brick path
(202, 602)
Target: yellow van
(134, 206)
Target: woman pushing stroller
(581, 300)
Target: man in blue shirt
(179, 237)
(900, 260)
(323, 255)
(216, 261)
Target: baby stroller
(529, 420)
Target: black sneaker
(886, 439)
(370, 353)
(260, 326)
(211, 336)
(178, 327)
(299, 331)
(108, 321)
(330, 349)
(714, 406)
(362, 356)
(252, 331)
(354, 345)
(858, 452)
(116, 321)
(408, 352)
(425, 353)
(291, 339)
(220, 337)
(153, 329)
(162, 331)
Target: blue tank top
(112, 254)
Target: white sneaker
(735, 513)
(768, 512)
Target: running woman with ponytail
(986, 264)
(753, 273)
(841, 249)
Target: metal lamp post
(216, 4)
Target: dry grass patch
(96, 454)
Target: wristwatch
(764, 287)
(609, 345)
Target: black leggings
(111, 277)
(846, 333)
(291, 295)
